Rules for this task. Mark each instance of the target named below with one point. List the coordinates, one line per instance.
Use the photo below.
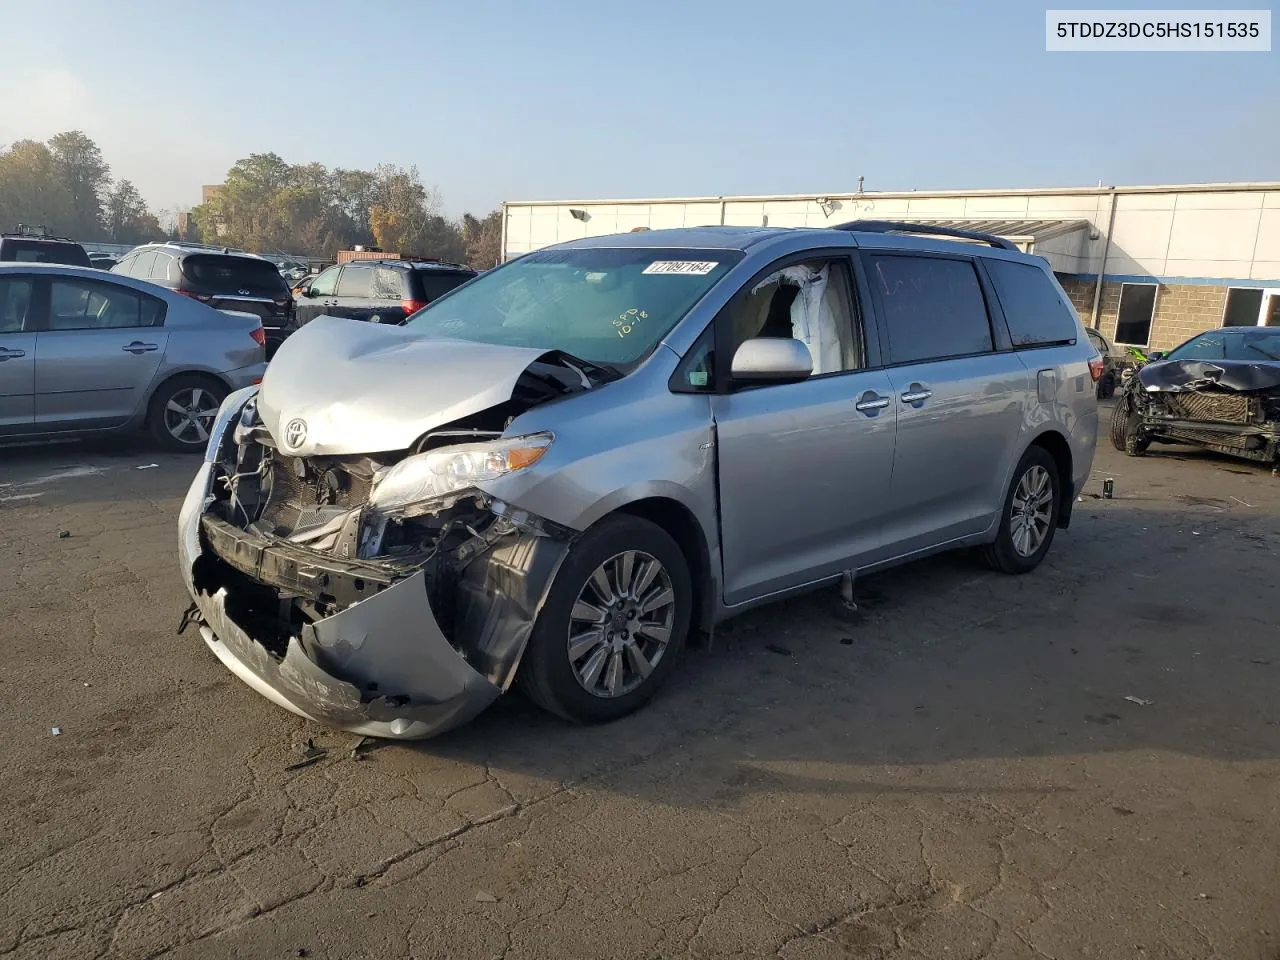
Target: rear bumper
(382, 667)
(245, 376)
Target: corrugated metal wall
(1185, 232)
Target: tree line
(265, 205)
(270, 206)
(65, 185)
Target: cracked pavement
(955, 771)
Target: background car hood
(364, 387)
(1238, 375)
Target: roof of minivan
(743, 238)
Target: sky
(499, 100)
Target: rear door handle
(917, 394)
(7, 354)
(138, 347)
(870, 403)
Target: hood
(1176, 376)
(364, 387)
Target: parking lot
(1083, 762)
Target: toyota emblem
(295, 433)
(243, 293)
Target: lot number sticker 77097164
(687, 268)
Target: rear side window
(76, 304)
(933, 307)
(1036, 315)
(433, 284)
(387, 284)
(44, 251)
(218, 273)
(355, 282)
(142, 264)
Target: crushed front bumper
(336, 671)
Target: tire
(558, 680)
(1123, 422)
(191, 391)
(1035, 476)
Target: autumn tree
(32, 189)
(127, 218)
(86, 177)
(483, 240)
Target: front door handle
(916, 394)
(138, 347)
(871, 402)
(7, 354)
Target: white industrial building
(1148, 266)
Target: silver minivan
(554, 473)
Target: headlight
(427, 476)
(229, 410)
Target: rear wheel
(183, 410)
(1030, 515)
(614, 623)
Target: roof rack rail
(925, 229)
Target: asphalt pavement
(1082, 762)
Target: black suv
(381, 291)
(30, 245)
(214, 275)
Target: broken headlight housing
(438, 473)
(228, 412)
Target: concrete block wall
(1182, 309)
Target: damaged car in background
(1219, 391)
(552, 474)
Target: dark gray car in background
(83, 351)
(379, 291)
(225, 280)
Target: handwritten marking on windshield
(628, 319)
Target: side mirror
(308, 292)
(1155, 355)
(771, 360)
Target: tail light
(1095, 368)
(412, 306)
(260, 337)
(203, 298)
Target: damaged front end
(384, 593)
(1231, 407)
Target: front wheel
(1029, 517)
(614, 623)
(1125, 421)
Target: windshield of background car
(606, 305)
(1259, 345)
(44, 251)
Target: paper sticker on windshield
(687, 268)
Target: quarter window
(933, 307)
(82, 305)
(386, 284)
(1137, 307)
(1033, 308)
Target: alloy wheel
(621, 624)
(1031, 511)
(189, 414)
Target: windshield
(609, 306)
(1262, 344)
